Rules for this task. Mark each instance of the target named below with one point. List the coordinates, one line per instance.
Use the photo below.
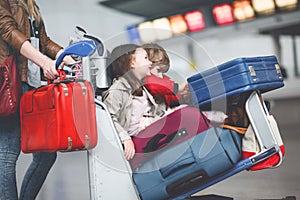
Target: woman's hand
(49, 69)
(47, 64)
(67, 60)
(129, 149)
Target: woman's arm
(18, 41)
(41, 60)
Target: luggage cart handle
(263, 155)
(82, 48)
(257, 113)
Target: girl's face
(140, 64)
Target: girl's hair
(119, 65)
(32, 10)
(157, 53)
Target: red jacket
(163, 89)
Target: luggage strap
(81, 102)
(240, 130)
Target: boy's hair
(156, 53)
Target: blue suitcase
(234, 77)
(189, 164)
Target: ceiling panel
(158, 8)
(288, 29)
(151, 9)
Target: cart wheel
(209, 197)
(290, 198)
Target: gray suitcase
(189, 164)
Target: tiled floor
(68, 179)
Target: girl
(131, 106)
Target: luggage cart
(110, 174)
(110, 171)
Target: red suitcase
(58, 117)
(178, 126)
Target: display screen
(162, 28)
(223, 14)
(243, 10)
(195, 20)
(286, 4)
(146, 31)
(178, 24)
(263, 6)
(133, 33)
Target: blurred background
(197, 35)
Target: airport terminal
(199, 37)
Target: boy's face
(156, 70)
(160, 63)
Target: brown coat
(15, 30)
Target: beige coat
(118, 99)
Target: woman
(20, 21)
(131, 106)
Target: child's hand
(129, 149)
(183, 89)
